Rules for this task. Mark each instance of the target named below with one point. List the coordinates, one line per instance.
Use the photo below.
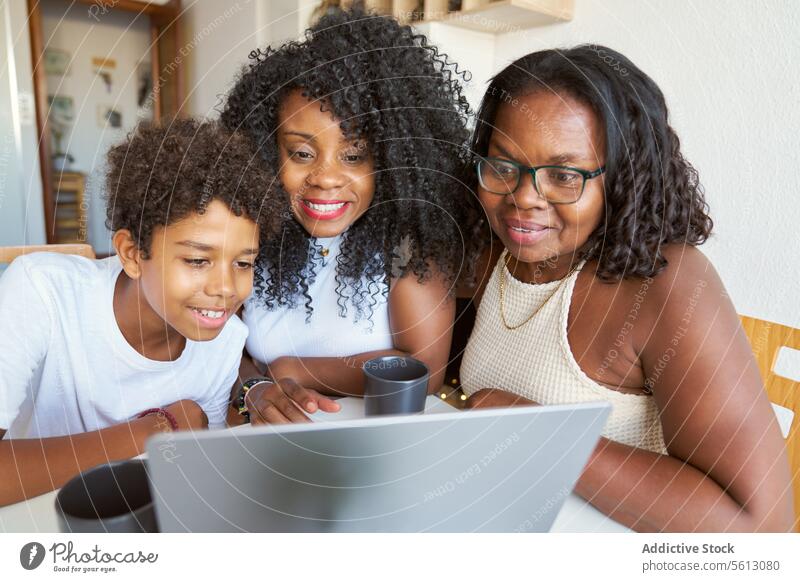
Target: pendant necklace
(538, 309)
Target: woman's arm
(421, 319)
(666, 494)
(727, 468)
(31, 467)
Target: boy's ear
(129, 254)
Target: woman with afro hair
(599, 293)
(365, 125)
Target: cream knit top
(535, 361)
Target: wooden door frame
(164, 19)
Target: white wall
(21, 207)
(218, 37)
(11, 199)
(729, 73)
(122, 36)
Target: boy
(87, 347)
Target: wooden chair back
(8, 254)
(766, 339)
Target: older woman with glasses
(598, 293)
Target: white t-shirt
(286, 332)
(66, 368)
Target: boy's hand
(285, 402)
(188, 414)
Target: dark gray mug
(113, 497)
(395, 385)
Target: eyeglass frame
(523, 169)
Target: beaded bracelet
(240, 403)
(160, 412)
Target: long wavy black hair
(653, 195)
(390, 88)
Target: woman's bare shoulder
(646, 304)
(687, 271)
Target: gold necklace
(538, 309)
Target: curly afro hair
(652, 194)
(162, 174)
(388, 87)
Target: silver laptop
(493, 470)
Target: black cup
(114, 497)
(395, 385)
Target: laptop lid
(486, 470)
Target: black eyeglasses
(556, 184)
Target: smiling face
(545, 129)
(330, 179)
(199, 272)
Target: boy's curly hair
(653, 195)
(162, 174)
(390, 88)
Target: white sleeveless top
(284, 331)
(535, 361)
